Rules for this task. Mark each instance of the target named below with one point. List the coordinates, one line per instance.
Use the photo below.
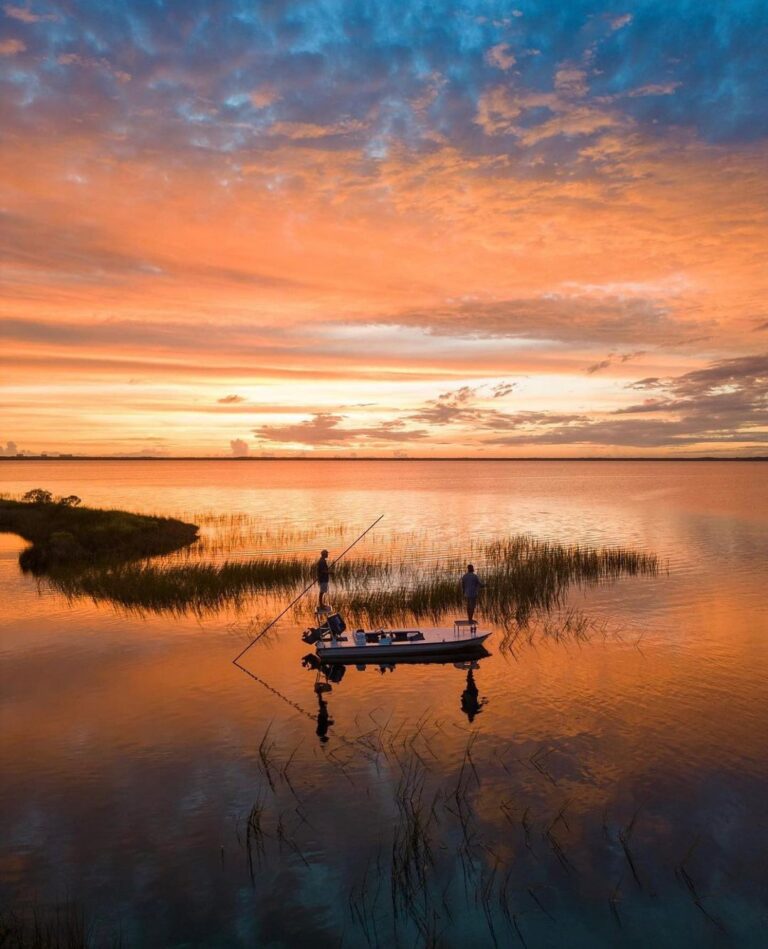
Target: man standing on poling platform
(471, 585)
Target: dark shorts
(323, 584)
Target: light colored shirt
(470, 584)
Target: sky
(404, 228)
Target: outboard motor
(336, 624)
(310, 661)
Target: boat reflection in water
(328, 674)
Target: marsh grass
(447, 847)
(411, 843)
(521, 574)
(561, 625)
(57, 926)
(221, 534)
(199, 588)
(255, 837)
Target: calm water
(602, 790)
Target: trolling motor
(331, 628)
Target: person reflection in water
(471, 704)
(324, 721)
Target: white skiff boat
(334, 643)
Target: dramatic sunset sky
(524, 228)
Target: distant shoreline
(466, 458)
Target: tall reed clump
(521, 575)
(200, 587)
(181, 588)
(411, 845)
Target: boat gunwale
(330, 649)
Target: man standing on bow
(322, 575)
(470, 587)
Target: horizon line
(66, 456)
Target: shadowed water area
(598, 779)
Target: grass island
(65, 535)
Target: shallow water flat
(600, 783)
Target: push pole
(303, 593)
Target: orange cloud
(501, 56)
(10, 47)
(328, 276)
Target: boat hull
(440, 643)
